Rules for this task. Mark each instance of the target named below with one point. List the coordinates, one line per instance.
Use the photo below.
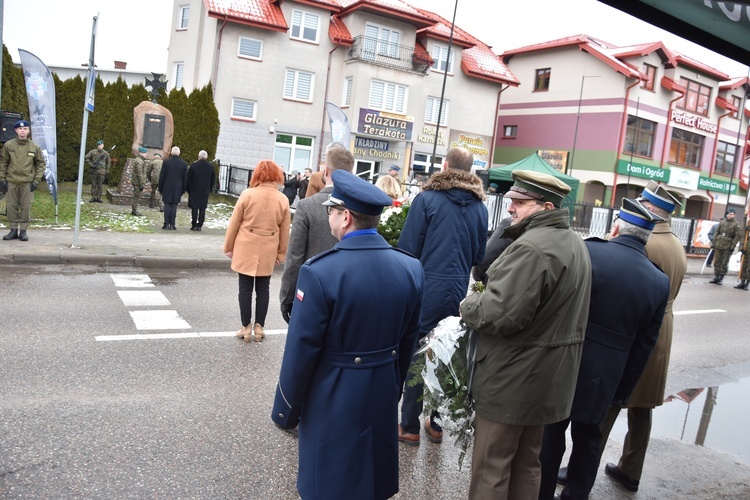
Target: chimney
(121, 65)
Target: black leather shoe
(172, 227)
(626, 481)
(22, 235)
(12, 235)
(165, 227)
(192, 228)
(198, 228)
(562, 476)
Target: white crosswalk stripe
(143, 298)
(159, 320)
(154, 319)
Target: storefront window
(686, 148)
(639, 137)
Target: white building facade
(273, 66)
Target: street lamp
(578, 117)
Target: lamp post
(578, 117)
(442, 92)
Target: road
(99, 401)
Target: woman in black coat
(200, 178)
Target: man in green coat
(153, 169)
(99, 162)
(745, 267)
(138, 178)
(727, 235)
(531, 321)
(21, 169)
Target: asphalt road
(86, 414)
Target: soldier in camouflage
(727, 235)
(745, 267)
(99, 162)
(138, 178)
(153, 169)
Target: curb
(115, 260)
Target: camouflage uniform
(137, 179)
(153, 169)
(727, 235)
(745, 269)
(99, 161)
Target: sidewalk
(182, 248)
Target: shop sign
(683, 178)
(558, 159)
(693, 121)
(625, 167)
(367, 143)
(428, 136)
(478, 144)
(716, 185)
(385, 125)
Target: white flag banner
(340, 130)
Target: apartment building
(617, 117)
(274, 65)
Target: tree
(14, 89)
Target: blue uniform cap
(141, 149)
(395, 167)
(632, 211)
(659, 197)
(21, 123)
(356, 194)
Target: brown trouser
(636, 440)
(18, 205)
(505, 463)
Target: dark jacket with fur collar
(446, 229)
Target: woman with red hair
(256, 241)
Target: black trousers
(199, 217)
(582, 465)
(261, 285)
(170, 213)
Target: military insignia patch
(300, 295)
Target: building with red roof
(274, 64)
(617, 117)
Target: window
(183, 17)
(381, 41)
(696, 99)
(422, 163)
(431, 111)
(250, 48)
(298, 85)
(686, 148)
(346, 95)
(541, 82)
(387, 96)
(293, 152)
(639, 137)
(650, 72)
(304, 26)
(737, 103)
(440, 56)
(510, 131)
(244, 109)
(725, 157)
(179, 74)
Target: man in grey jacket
(531, 321)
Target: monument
(153, 128)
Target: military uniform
(745, 269)
(345, 361)
(21, 170)
(138, 178)
(727, 235)
(99, 161)
(153, 169)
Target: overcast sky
(137, 31)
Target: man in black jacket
(200, 178)
(172, 184)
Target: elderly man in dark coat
(172, 184)
(621, 330)
(345, 361)
(200, 178)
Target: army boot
(717, 280)
(12, 235)
(742, 285)
(22, 235)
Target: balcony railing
(390, 55)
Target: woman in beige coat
(256, 241)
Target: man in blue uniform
(621, 331)
(345, 360)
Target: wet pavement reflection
(707, 416)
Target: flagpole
(88, 107)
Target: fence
(233, 179)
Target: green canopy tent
(503, 178)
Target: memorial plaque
(153, 131)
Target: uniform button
(358, 360)
(281, 415)
(394, 353)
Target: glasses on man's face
(331, 209)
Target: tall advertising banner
(40, 89)
(340, 130)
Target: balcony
(390, 55)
